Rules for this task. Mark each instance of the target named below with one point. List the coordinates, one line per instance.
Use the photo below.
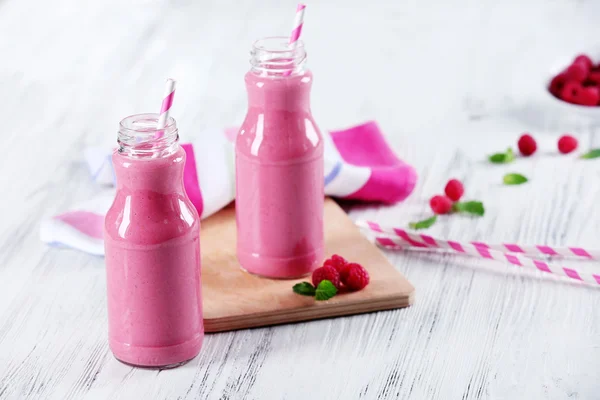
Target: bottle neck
(275, 57)
(139, 137)
(278, 79)
(162, 175)
(291, 94)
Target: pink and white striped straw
(298, 23)
(399, 238)
(296, 31)
(166, 106)
(533, 250)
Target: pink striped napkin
(359, 165)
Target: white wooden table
(447, 83)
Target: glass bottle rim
(140, 136)
(265, 44)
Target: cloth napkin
(359, 165)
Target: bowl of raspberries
(577, 85)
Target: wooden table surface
(448, 82)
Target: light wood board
(234, 299)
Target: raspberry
(577, 71)
(571, 92)
(527, 145)
(594, 77)
(585, 60)
(589, 96)
(567, 144)
(454, 189)
(337, 262)
(440, 204)
(326, 272)
(354, 276)
(557, 83)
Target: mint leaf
(502, 158)
(426, 223)
(497, 158)
(510, 156)
(304, 288)
(514, 179)
(471, 207)
(325, 290)
(595, 153)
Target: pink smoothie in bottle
(279, 167)
(151, 236)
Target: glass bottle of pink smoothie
(279, 166)
(151, 235)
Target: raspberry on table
(336, 261)
(326, 272)
(567, 144)
(355, 276)
(454, 189)
(440, 204)
(527, 144)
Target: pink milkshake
(279, 167)
(151, 236)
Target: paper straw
(166, 106)
(398, 238)
(534, 250)
(296, 31)
(298, 22)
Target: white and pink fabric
(359, 165)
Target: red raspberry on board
(578, 71)
(440, 204)
(585, 60)
(527, 144)
(336, 261)
(454, 189)
(567, 144)
(354, 276)
(326, 272)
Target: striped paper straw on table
(399, 238)
(533, 250)
(165, 107)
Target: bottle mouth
(145, 125)
(276, 44)
(140, 136)
(274, 56)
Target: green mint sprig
(305, 289)
(514, 179)
(594, 153)
(424, 224)
(502, 158)
(324, 291)
(469, 207)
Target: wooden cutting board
(234, 299)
